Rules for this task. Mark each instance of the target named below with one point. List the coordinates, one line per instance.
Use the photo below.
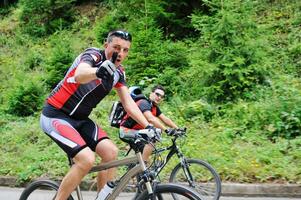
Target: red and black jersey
(144, 105)
(77, 100)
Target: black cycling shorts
(72, 135)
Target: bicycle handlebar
(148, 135)
(176, 132)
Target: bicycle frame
(173, 149)
(122, 183)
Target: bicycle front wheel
(166, 191)
(41, 190)
(199, 175)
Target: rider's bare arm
(153, 120)
(167, 121)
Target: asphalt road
(7, 193)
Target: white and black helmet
(134, 91)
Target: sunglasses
(122, 34)
(159, 95)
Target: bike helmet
(134, 91)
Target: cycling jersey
(144, 105)
(77, 100)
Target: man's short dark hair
(160, 87)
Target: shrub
(60, 58)
(236, 50)
(6, 7)
(275, 114)
(151, 57)
(25, 98)
(105, 25)
(42, 17)
(284, 114)
(174, 18)
(199, 109)
(34, 58)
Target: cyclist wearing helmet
(65, 116)
(151, 111)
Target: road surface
(7, 193)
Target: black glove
(170, 131)
(106, 73)
(106, 70)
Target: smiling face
(119, 45)
(157, 96)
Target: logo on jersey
(71, 80)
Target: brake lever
(182, 131)
(158, 137)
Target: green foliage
(282, 21)
(235, 50)
(285, 112)
(25, 98)
(174, 18)
(105, 25)
(42, 17)
(60, 58)
(6, 9)
(275, 114)
(34, 58)
(150, 56)
(198, 110)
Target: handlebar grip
(146, 135)
(129, 134)
(150, 134)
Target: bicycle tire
(45, 188)
(165, 191)
(206, 180)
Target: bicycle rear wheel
(41, 190)
(166, 191)
(199, 175)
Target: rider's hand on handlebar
(170, 131)
(150, 127)
(153, 133)
(175, 131)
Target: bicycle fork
(185, 167)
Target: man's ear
(105, 44)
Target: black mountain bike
(195, 173)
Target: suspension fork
(185, 167)
(187, 172)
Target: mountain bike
(152, 189)
(194, 173)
